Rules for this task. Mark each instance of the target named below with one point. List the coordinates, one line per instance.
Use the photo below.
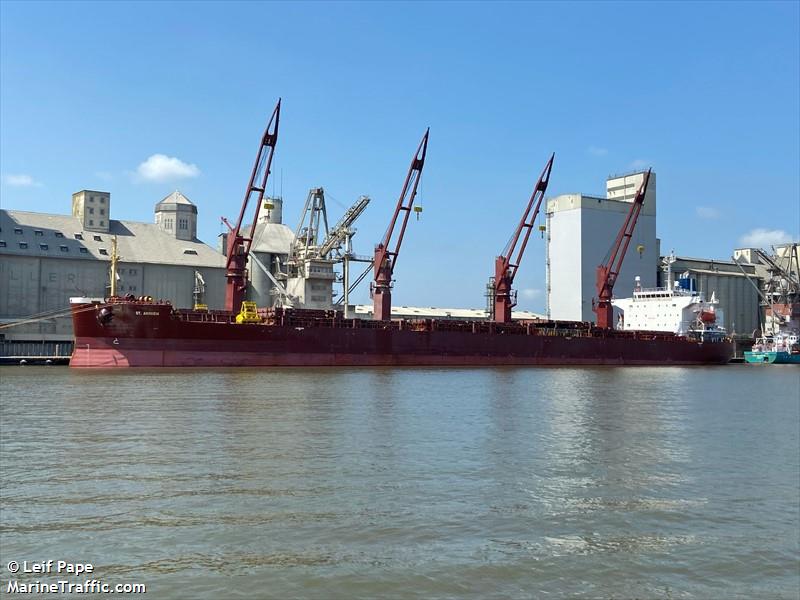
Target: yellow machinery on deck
(248, 314)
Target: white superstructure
(678, 307)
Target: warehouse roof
(33, 234)
(432, 312)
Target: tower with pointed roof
(177, 216)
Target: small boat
(781, 348)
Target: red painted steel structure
(607, 273)
(504, 268)
(386, 259)
(238, 245)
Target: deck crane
(506, 265)
(386, 259)
(607, 273)
(238, 247)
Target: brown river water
(406, 483)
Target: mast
(114, 259)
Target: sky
(140, 99)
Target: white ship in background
(678, 308)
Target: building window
(17, 230)
(44, 247)
(103, 251)
(78, 236)
(83, 250)
(23, 245)
(91, 223)
(183, 224)
(97, 238)
(102, 211)
(91, 198)
(102, 200)
(102, 223)
(64, 248)
(38, 232)
(91, 210)
(59, 234)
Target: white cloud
(640, 163)
(21, 180)
(763, 238)
(530, 293)
(595, 151)
(160, 167)
(707, 212)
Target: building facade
(45, 259)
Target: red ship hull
(143, 334)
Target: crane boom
(386, 259)
(337, 235)
(238, 247)
(607, 273)
(506, 265)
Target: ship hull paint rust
(142, 335)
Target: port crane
(608, 272)
(386, 259)
(781, 289)
(238, 246)
(507, 264)
(342, 230)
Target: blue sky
(706, 93)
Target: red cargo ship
(125, 333)
(140, 333)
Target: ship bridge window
(59, 234)
(188, 251)
(83, 250)
(64, 248)
(44, 247)
(103, 251)
(78, 236)
(2, 244)
(23, 245)
(38, 232)
(97, 238)
(17, 230)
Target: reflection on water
(430, 483)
